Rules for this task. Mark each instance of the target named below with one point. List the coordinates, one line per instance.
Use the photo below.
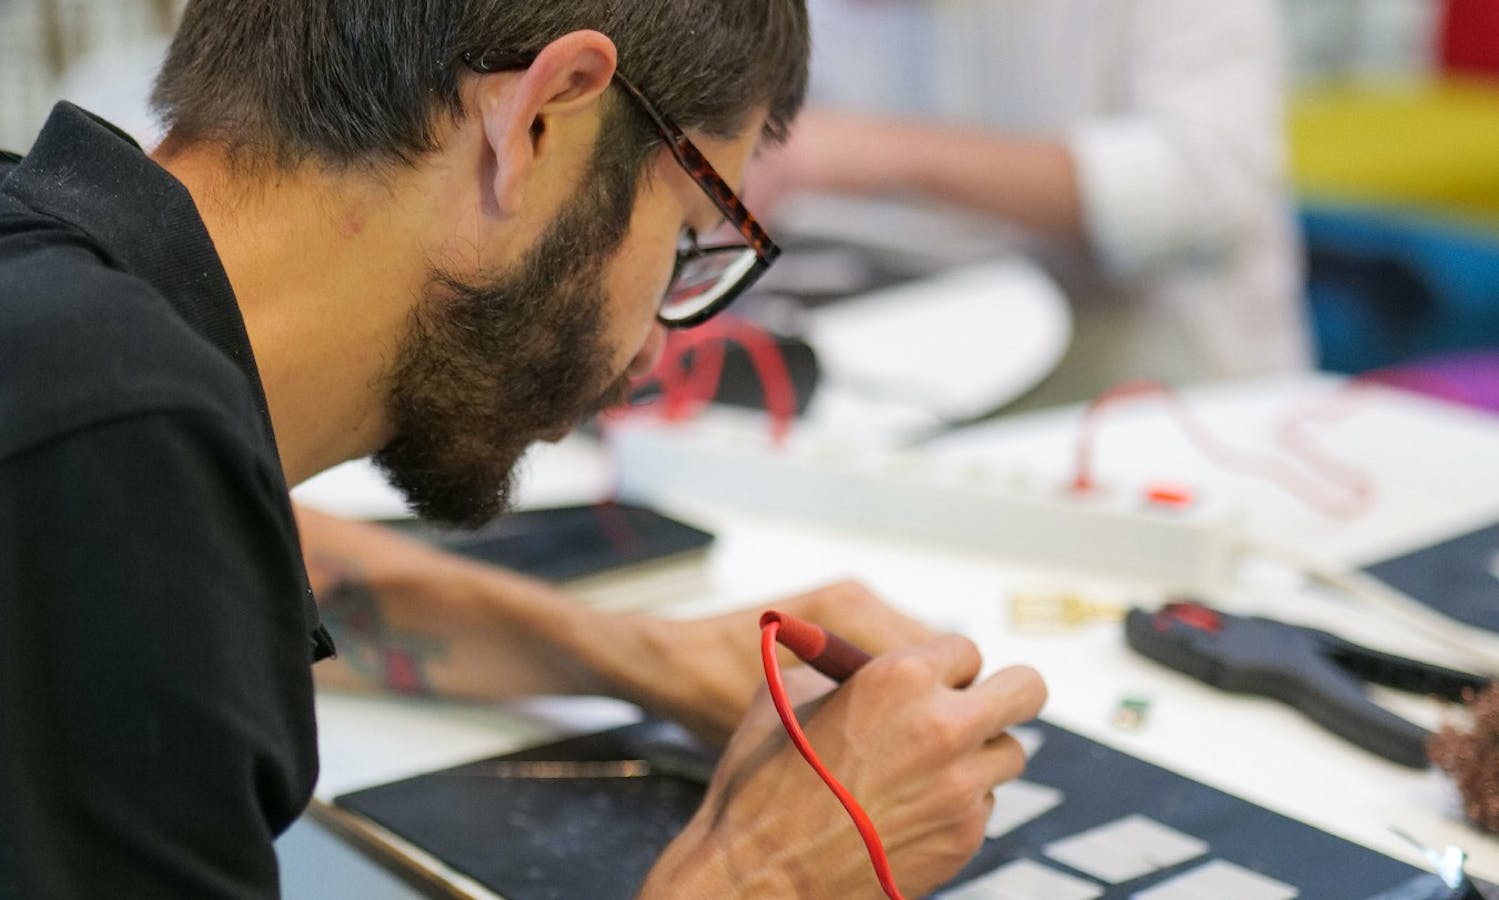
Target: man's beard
(491, 365)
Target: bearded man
(434, 232)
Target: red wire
(867, 831)
(686, 389)
(707, 366)
(1348, 399)
(770, 366)
(1353, 492)
(1328, 410)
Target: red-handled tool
(816, 646)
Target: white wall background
(85, 48)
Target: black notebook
(585, 818)
(568, 542)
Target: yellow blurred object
(1432, 145)
(1052, 611)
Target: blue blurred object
(1386, 287)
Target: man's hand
(703, 673)
(916, 742)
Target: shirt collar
(93, 176)
(87, 173)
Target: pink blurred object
(1469, 378)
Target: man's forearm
(1032, 182)
(409, 618)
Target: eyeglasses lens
(703, 278)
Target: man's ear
(568, 77)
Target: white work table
(1435, 473)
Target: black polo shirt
(156, 625)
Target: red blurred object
(1315, 478)
(1468, 37)
(1169, 495)
(1193, 615)
(692, 364)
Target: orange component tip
(803, 638)
(1170, 495)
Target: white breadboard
(969, 504)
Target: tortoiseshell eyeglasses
(706, 279)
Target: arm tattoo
(394, 658)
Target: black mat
(1456, 577)
(529, 839)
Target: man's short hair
(351, 82)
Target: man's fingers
(1002, 760)
(856, 614)
(1008, 697)
(957, 659)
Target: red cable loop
(707, 365)
(1328, 410)
(862, 822)
(687, 389)
(691, 387)
(1354, 492)
(770, 366)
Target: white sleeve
(1196, 151)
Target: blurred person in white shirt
(1136, 145)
